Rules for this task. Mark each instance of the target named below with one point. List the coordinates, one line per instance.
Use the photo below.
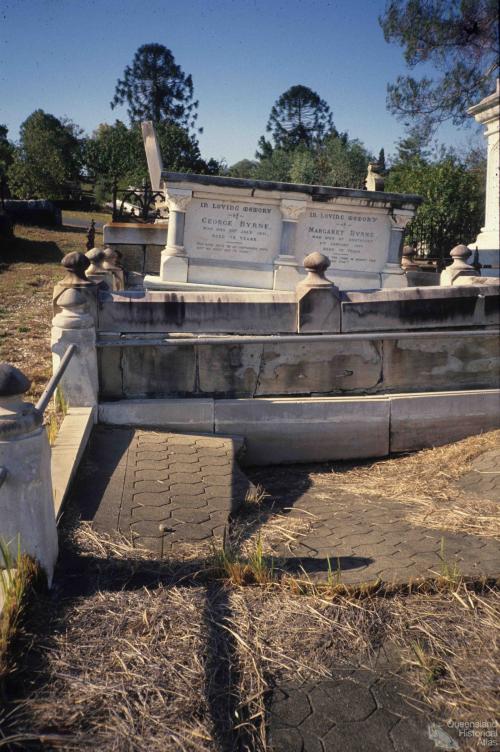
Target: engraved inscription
(225, 230)
(353, 241)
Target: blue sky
(65, 56)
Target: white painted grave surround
(227, 233)
(487, 112)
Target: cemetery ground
(226, 646)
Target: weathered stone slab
(158, 371)
(110, 372)
(189, 415)
(152, 258)
(307, 430)
(420, 308)
(441, 363)
(288, 368)
(133, 256)
(262, 312)
(229, 370)
(319, 368)
(128, 233)
(426, 420)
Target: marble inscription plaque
(224, 230)
(354, 241)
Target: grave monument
(487, 243)
(226, 233)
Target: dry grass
(186, 663)
(87, 216)
(426, 482)
(29, 269)
(20, 581)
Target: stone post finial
(96, 258)
(76, 264)
(111, 264)
(315, 265)
(16, 416)
(407, 261)
(459, 266)
(318, 299)
(73, 324)
(460, 253)
(74, 310)
(12, 381)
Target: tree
(452, 211)
(6, 150)
(458, 37)
(245, 168)
(381, 160)
(156, 88)
(336, 161)
(116, 153)
(47, 161)
(413, 146)
(111, 152)
(298, 117)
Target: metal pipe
(55, 379)
(250, 339)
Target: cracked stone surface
(344, 714)
(160, 488)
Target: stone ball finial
(95, 255)
(460, 253)
(12, 381)
(76, 264)
(315, 265)
(317, 262)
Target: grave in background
(487, 243)
(227, 233)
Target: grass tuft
(20, 577)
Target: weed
(333, 577)
(52, 427)
(19, 575)
(450, 571)
(61, 403)
(432, 666)
(256, 495)
(227, 564)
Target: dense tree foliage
(336, 160)
(47, 162)
(453, 194)
(460, 39)
(6, 151)
(299, 117)
(116, 152)
(155, 88)
(245, 168)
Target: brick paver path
(160, 488)
(373, 539)
(359, 711)
(484, 478)
(164, 489)
(368, 538)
